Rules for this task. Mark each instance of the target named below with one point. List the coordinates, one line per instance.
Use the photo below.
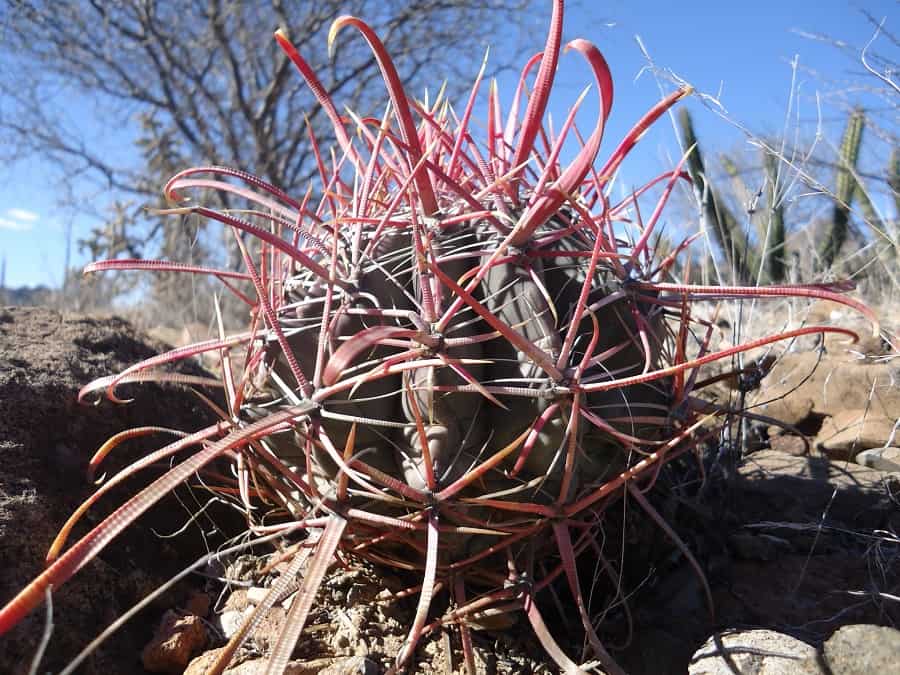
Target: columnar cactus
(845, 189)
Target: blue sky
(739, 51)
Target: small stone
(882, 459)
(203, 663)
(237, 600)
(755, 652)
(231, 620)
(849, 431)
(177, 640)
(792, 445)
(255, 594)
(862, 650)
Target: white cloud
(22, 214)
(7, 224)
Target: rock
(256, 594)
(828, 313)
(863, 650)
(755, 652)
(231, 620)
(269, 628)
(800, 489)
(882, 459)
(237, 600)
(849, 431)
(868, 344)
(252, 667)
(178, 639)
(831, 383)
(202, 664)
(792, 445)
(792, 409)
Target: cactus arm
(894, 179)
(774, 255)
(717, 217)
(845, 188)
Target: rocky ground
(46, 440)
(800, 545)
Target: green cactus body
(894, 178)
(775, 254)
(845, 190)
(717, 217)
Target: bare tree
(203, 81)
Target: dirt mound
(46, 440)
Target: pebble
(231, 620)
(755, 652)
(863, 650)
(882, 459)
(177, 640)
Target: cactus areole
(456, 360)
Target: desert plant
(717, 217)
(765, 254)
(773, 252)
(846, 188)
(770, 228)
(894, 177)
(455, 363)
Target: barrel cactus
(456, 358)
